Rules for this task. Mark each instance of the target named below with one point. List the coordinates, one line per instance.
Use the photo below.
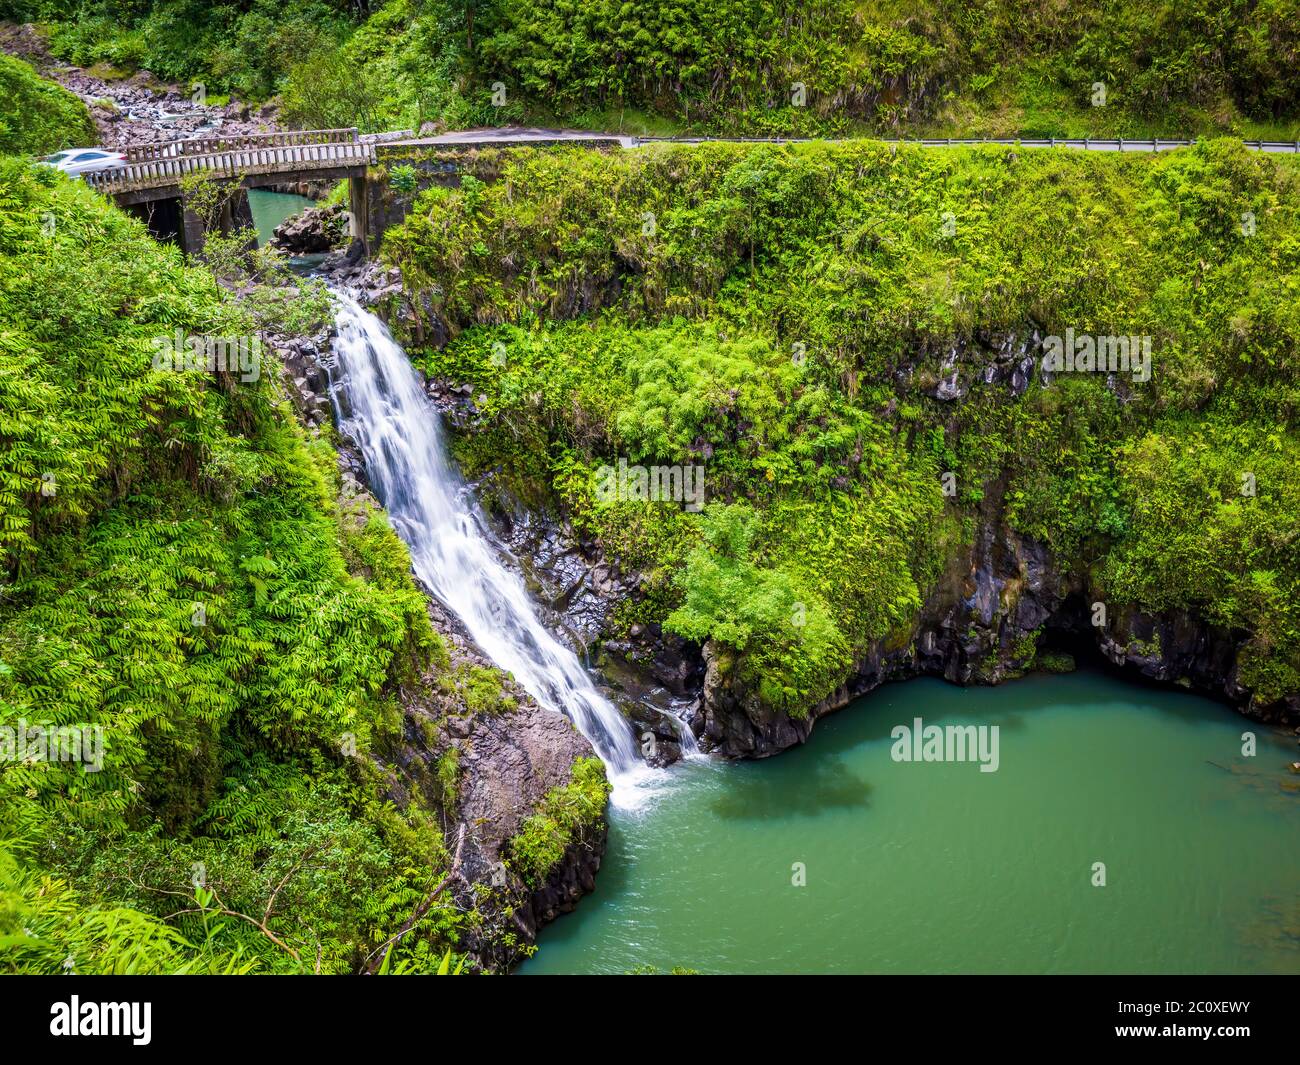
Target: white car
(84, 160)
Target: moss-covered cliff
(855, 342)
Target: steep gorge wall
(550, 239)
(1001, 606)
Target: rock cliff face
(507, 757)
(987, 621)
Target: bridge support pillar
(359, 211)
(192, 234)
(234, 214)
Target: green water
(269, 209)
(937, 867)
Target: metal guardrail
(1087, 143)
(144, 153)
(229, 164)
(1114, 144)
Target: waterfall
(379, 402)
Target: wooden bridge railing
(145, 153)
(230, 164)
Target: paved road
(511, 135)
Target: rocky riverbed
(139, 108)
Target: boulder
(315, 230)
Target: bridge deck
(167, 172)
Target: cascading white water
(379, 402)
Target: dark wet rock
(654, 674)
(302, 361)
(665, 659)
(315, 230)
(736, 722)
(659, 731)
(951, 385)
(983, 624)
(317, 189)
(379, 289)
(1175, 647)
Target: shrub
(38, 117)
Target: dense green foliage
(945, 67)
(179, 580)
(404, 66)
(983, 64)
(792, 651)
(45, 927)
(178, 576)
(245, 46)
(38, 117)
(782, 316)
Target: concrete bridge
(151, 183)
